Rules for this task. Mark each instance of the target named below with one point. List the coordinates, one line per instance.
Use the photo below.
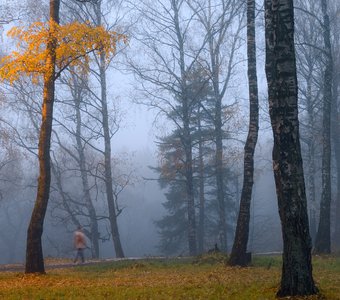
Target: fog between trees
(184, 63)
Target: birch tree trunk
(34, 253)
(238, 254)
(296, 278)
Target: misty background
(139, 127)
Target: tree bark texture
(323, 237)
(34, 252)
(238, 254)
(296, 278)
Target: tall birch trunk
(296, 278)
(238, 254)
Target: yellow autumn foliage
(74, 41)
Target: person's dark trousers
(80, 254)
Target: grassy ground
(201, 278)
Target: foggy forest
(171, 128)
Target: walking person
(79, 244)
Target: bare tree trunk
(219, 166)
(107, 148)
(323, 237)
(108, 166)
(190, 197)
(311, 161)
(189, 181)
(336, 143)
(186, 138)
(34, 253)
(296, 276)
(201, 226)
(238, 254)
(216, 38)
(94, 232)
(307, 57)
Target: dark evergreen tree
(173, 227)
(173, 148)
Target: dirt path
(62, 264)
(49, 266)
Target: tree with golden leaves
(45, 50)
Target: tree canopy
(74, 41)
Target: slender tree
(336, 125)
(216, 19)
(308, 36)
(296, 278)
(34, 254)
(113, 213)
(77, 93)
(96, 11)
(238, 254)
(76, 85)
(323, 237)
(336, 142)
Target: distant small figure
(79, 244)
(214, 250)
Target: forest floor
(203, 277)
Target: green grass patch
(203, 277)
